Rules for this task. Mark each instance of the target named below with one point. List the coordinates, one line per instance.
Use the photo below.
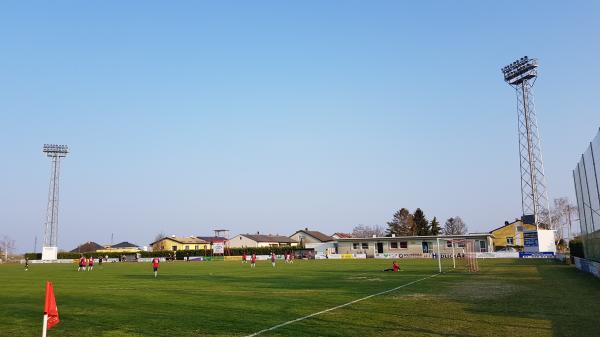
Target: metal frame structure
(55, 153)
(521, 75)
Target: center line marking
(339, 306)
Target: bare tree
(455, 226)
(159, 236)
(362, 231)
(7, 246)
(560, 216)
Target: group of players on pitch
(288, 257)
(88, 263)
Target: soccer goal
(462, 252)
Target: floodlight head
(521, 70)
(53, 150)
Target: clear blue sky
(272, 116)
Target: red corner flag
(50, 308)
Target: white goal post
(464, 247)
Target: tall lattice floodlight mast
(521, 75)
(50, 249)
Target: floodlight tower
(521, 75)
(55, 153)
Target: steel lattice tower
(56, 153)
(521, 75)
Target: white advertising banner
(149, 259)
(497, 255)
(49, 253)
(403, 256)
(218, 248)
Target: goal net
(456, 254)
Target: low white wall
(52, 261)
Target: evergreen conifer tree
(435, 227)
(421, 223)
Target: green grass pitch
(506, 298)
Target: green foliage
(576, 247)
(402, 224)
(435, 227)
(421, 223)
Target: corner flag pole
(439, 255)
(45, 327)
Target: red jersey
(395, 266)
(91, 261)
(155, 262)
(244, 257)
(253, 258)
(82, 260)
(85, 261)
(273, 257)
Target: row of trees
(405, 223)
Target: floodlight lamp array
(520, 70)
(56, 150)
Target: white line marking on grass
(340, 306)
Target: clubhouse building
(414, 246)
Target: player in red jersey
(253, 260)
(81, 262)
(395, 267)
(244, 257)
(155, 262)
(273, 259)
(91, 263)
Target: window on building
(510, 240)
(449, 244)
(355, 245)
(461, 244)
(394, 245)
(187, 247)
(162, 247)
(482, 246)
(519, 228)
(174, 248)
(196, 247)
(365, 245)
(403, 244)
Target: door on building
(425, 247)
(482, 247)
(379, 247)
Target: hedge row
(576, 248)
(180, 254)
